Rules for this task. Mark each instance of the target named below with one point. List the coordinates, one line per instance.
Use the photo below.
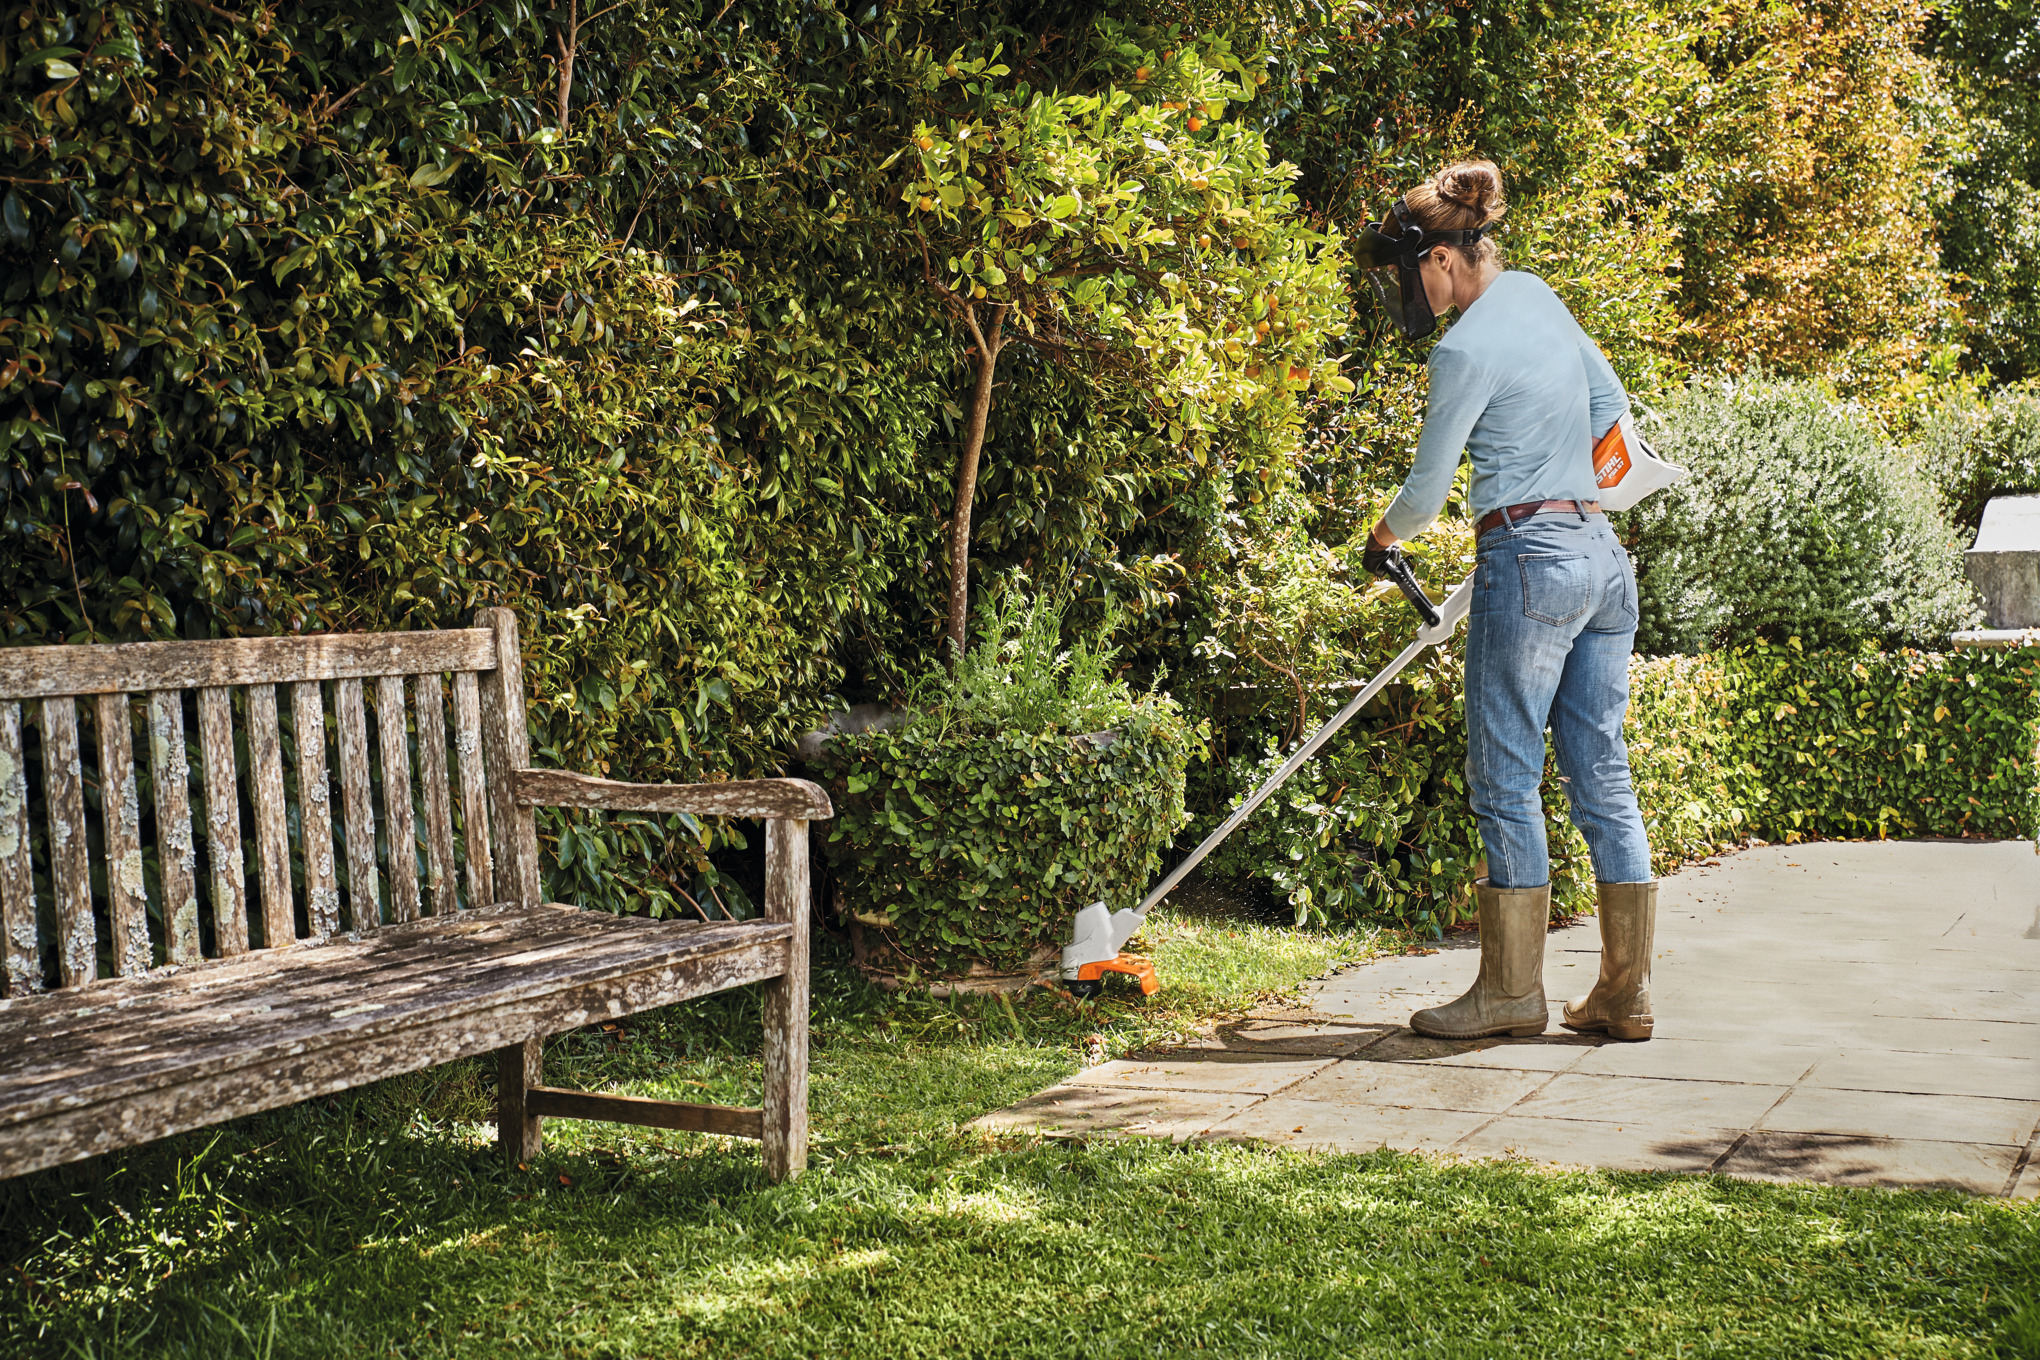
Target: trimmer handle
(1398, 570)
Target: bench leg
(786, 1003)
(518, 1069)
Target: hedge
(1888, 744)
(959, 850)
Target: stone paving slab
(1845, 1013)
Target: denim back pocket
(1557, 587)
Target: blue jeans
(1547, 644)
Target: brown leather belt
(1523, 510)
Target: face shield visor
(1392, 252)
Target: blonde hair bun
(1475, 187)
(1461, 197)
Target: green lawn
(381, 1224)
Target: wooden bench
(155, 982)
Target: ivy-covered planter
(966, 854)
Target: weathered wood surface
(474, 788)
(70, 871)
(519, 1068)
(315, 809)
(176, 856)
(429, 702)
(339, 982)
(127, 892)
(507, 740)
(22, 970)
(785, 1123)
(272, 829)
(392, 727)
(555, 1102)
(134, 667)
(73, 1114)
(506, 743)
(133, 1034)
(229, 875)
(793, 798)
(148, 1053)
(357, 808)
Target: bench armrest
(795, 798)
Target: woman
(1522, 389)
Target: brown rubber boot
(1508, 997)
(1620, 1000)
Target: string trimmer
(1099, 934)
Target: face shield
(1392, 251)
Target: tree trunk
(988, 342)
(570, 42)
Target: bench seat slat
(133, 667)
(57, 1049)
(102, 1017)
(431, 1020)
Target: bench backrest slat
(70, 873)
(22, 960)
(428, 700)
(507, 743)
(118, 668)
(393, 728)
(234, 843)
(474, 786)
(272, 824)
(357, 807)
(229, 876)
(121, 810)
(315, 810)
(176, 849)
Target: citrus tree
(1132, 230)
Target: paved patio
(1854, 1013)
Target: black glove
(1376, 560)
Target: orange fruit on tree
(1140, 73)
(1194, 123)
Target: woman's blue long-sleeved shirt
(1518, 385)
